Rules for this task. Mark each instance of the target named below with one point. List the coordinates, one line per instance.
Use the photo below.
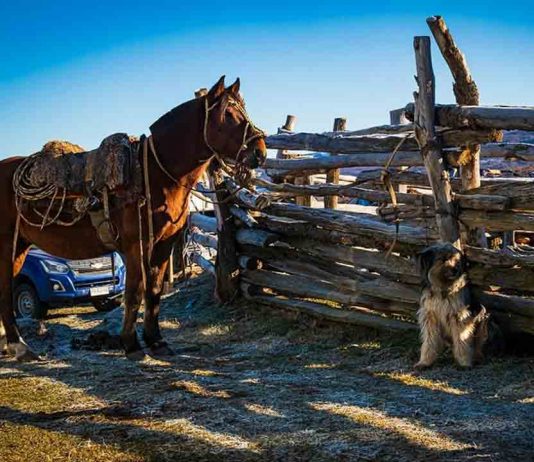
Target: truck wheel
(106, 304)
(27, 304)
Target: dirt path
(253, 385)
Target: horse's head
(228, 131)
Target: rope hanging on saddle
(26, 190)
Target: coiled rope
(26, 190)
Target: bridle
(255, 132)
(239, 168)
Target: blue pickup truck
(46, 281)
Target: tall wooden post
(466, 93)
(291, 120)
(226, 264)
(332, 176)
(425, 133)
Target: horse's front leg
(151, 331)
(133, 296)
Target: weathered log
(522, 151)
(280, 168)
(408, 213)
(342, 290)
(520, 195)
(521, 279)
(466, 92)
(514, 304)
(255, 237)
(498, 258)
(309, 165)
(512, 324)
(356, 223)
(247, 198)
(243, 215)
(203, 262)
(332, 314)
(303, 180)
(319, 266)
(204, 222)
(291, 120)
(207, 240)
(332, 176)
(498, 221)
(421, 179)
(395, 267)
(473, 201)
(483, 202)
(226, 265)
(430, 147)
(482, 117)
(373, 195)
(299, 228)
(250, 263)
(378, 130)
(465, 88)
(373, 143)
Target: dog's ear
(425, 260)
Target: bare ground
(251, 384)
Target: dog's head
(441, 266)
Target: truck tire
(27, 304)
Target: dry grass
(249, 384)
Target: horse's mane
(174, 117)
(180, 114)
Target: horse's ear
(425, 261)
(217, 89)
(234, 88)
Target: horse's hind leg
(15, 344)
(151, 332)
(133, 296)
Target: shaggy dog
(447, 313)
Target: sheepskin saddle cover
(112, 165)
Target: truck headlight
(51, 266)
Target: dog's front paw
(420, 366)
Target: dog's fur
(448, 315)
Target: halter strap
(256, 133)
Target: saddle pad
(66, 165)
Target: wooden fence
(355, 262)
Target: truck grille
(100, 282)
(94, 265)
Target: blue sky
(82, 70)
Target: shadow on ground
(254, 385)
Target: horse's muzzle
(259, 154)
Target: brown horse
(185, 140)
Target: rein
(256, 133)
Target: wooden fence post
(425, 133)
(291, 120)
(227, 263)
(466, 93)
(332, 176)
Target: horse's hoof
(160, 350)
(28, 356)
(136, 355)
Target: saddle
(80, 182)
(80, 172)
